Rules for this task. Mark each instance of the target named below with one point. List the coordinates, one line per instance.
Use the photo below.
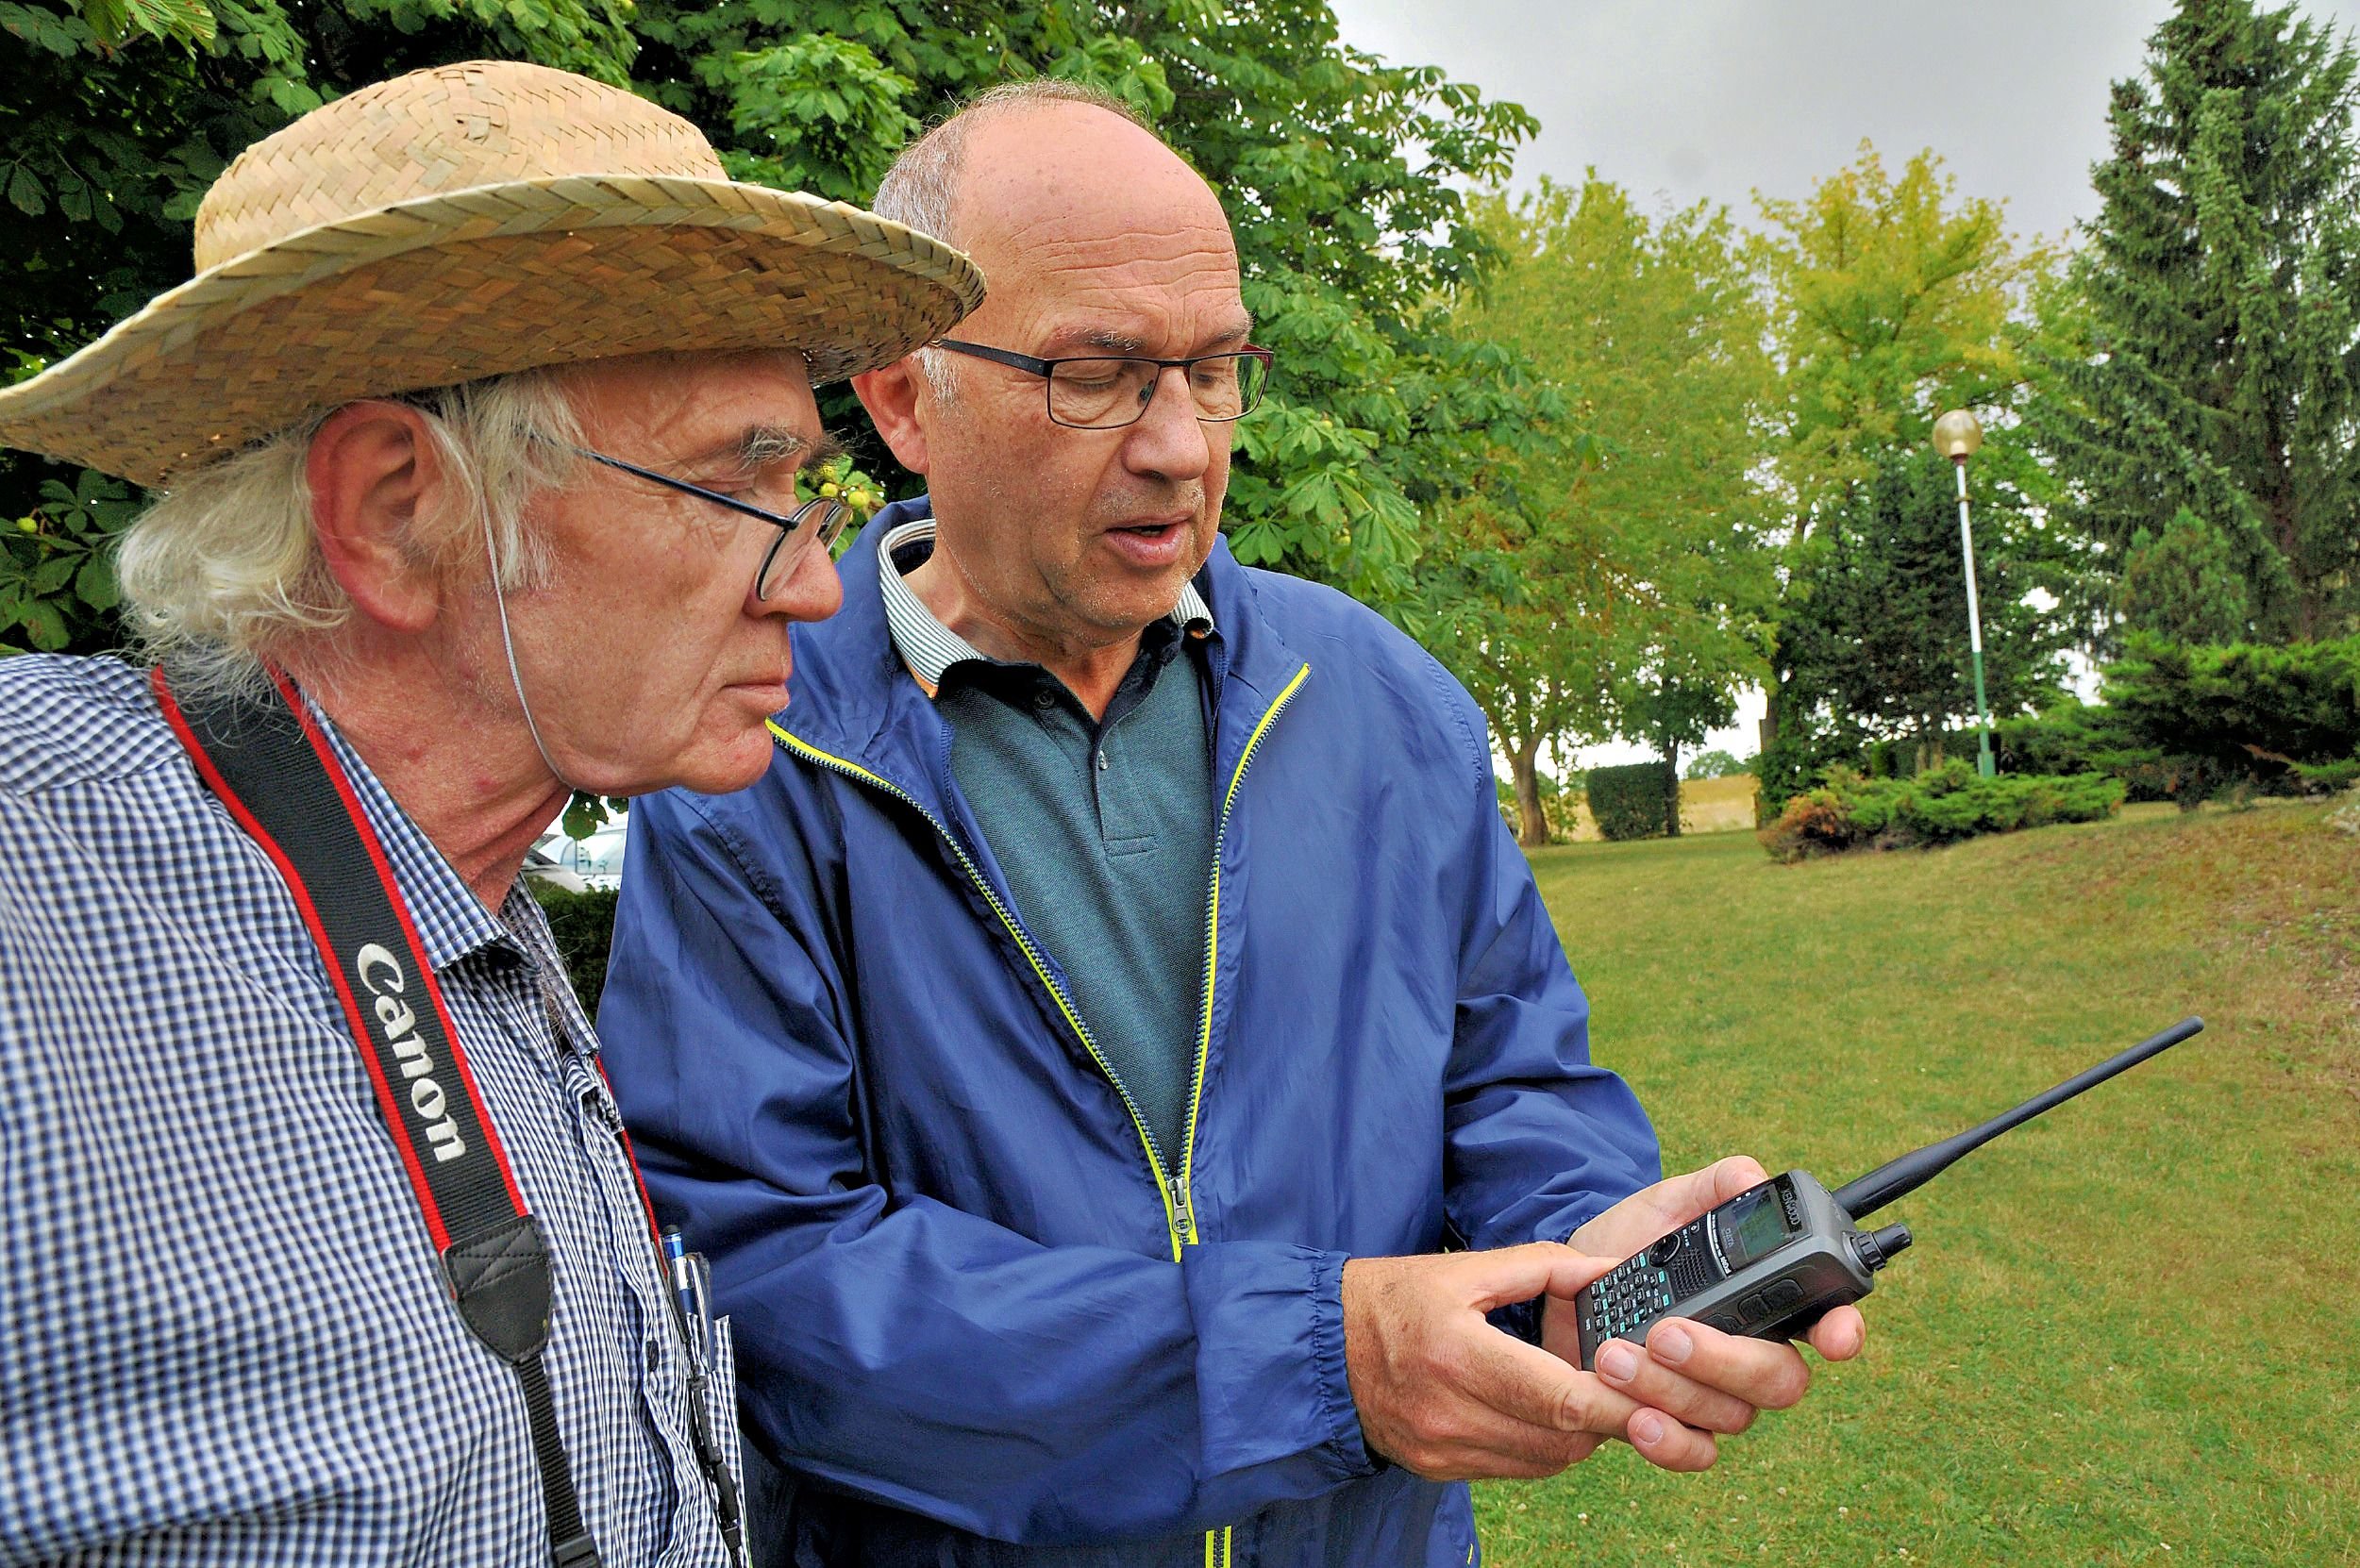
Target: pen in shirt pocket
(688, 1294)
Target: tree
(115, 118)
(2185, 584)
(1878, 635)
(1341, 174)
(1894, 299)
(2221, 384)
(1609, 582)
(1714, 764)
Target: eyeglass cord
(490, 554)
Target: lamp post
(1957, 436)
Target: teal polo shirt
(1102, 827)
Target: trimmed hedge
(1945, 802)
(1638, 801)
(583, 924)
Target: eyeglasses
(1106, 394)
(817, 521)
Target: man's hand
(1706, 1381)
(1443, 1393)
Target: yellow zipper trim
(1024, 944)
(1180, 1218)
(1212, 949)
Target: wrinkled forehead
(689, 399)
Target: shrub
(2238, 719)
(583, 924)
(1639, 801)
(1943, 804)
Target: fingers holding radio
(1840, 1335)
(1654, 1211)
(1708, 1380)
(1659, 1375)
(1442, 1393)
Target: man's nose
(811, 592)
(1169, 439)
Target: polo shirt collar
(928, 647)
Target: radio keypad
(1620, 1303)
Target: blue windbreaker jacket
(971, 1318)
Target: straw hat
(469, 221)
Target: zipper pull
(1185, 1212)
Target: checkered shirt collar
(928, 647)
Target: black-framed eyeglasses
(816, 521)
(1106, 392)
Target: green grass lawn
(2130, 1331)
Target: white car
(598, 860)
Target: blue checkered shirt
(224, 1337)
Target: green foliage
(583, 927)
(56, 569)
(2077, 736)
(1898, 299)
(2184, 584)
(2219, 378)
(2241, 718)
(1638, 801)
(1607, 579)
(1714, 764)
(1944, 803)
(1875, 646)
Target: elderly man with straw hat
(477, 432)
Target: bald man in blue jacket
(1120, 1065)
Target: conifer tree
(2216, 402)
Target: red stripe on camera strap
(273, 770)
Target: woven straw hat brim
(483, 282)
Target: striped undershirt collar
(928, 647)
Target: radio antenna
(1899, 1177)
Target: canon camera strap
(271, 766)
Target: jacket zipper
(1173, 1206)
(1212, 951)
(1180, 1214)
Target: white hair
(920, 191)
(226, 569)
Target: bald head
(1054, 184)
(1060, 539)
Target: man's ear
(374, 471)
(892, 396)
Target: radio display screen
(1753, 1227)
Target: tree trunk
(1671, 802)
(1524, 771)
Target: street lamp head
(1956, 435)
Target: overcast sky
(1686, 100)
(1715, 99)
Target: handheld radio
(1772, 1259)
